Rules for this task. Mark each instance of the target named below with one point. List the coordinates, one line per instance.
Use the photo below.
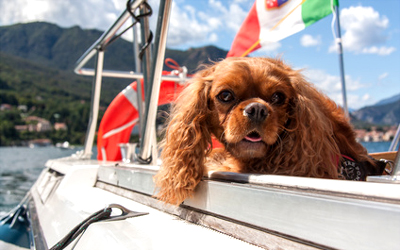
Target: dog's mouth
(253, 136)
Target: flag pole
(341, 64)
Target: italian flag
(272, 20)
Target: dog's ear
(187, 141)
(311, 131)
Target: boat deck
(228, 210)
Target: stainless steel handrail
(152, 82)
(94, 108)
(106, 36)
(393, 145)
(395, 176)
(131, 75)
(148, 132)
(395, 140)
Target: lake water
(20, 167)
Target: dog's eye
(225, 96)
(278, 98)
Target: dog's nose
(256, 112)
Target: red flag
(248, 35)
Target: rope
(171, 63)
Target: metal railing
(106, 37)
(152, 79)
(395, 171)
(393, 145)
(395, 140)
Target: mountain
(194, 57)
(388, 100)
(53, 46)
(24, 78)
(385, 112)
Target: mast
(341, 63)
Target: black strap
(149, 12)
(101, 215)
(81, 227)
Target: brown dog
(269, 119)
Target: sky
(370, 34)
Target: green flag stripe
(313, 10)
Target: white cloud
(235, 17)
(382, 51)
(232, 17)
(383, 76)
(331, 85)
(213, 37)
(366, 97)
(192, 30)
(355, 101)
(88, 14)
(270, 47)
(203, 26)
(213, 22)
(310, 41)
(381, 79)
(365, 31)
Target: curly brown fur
(269, 119)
